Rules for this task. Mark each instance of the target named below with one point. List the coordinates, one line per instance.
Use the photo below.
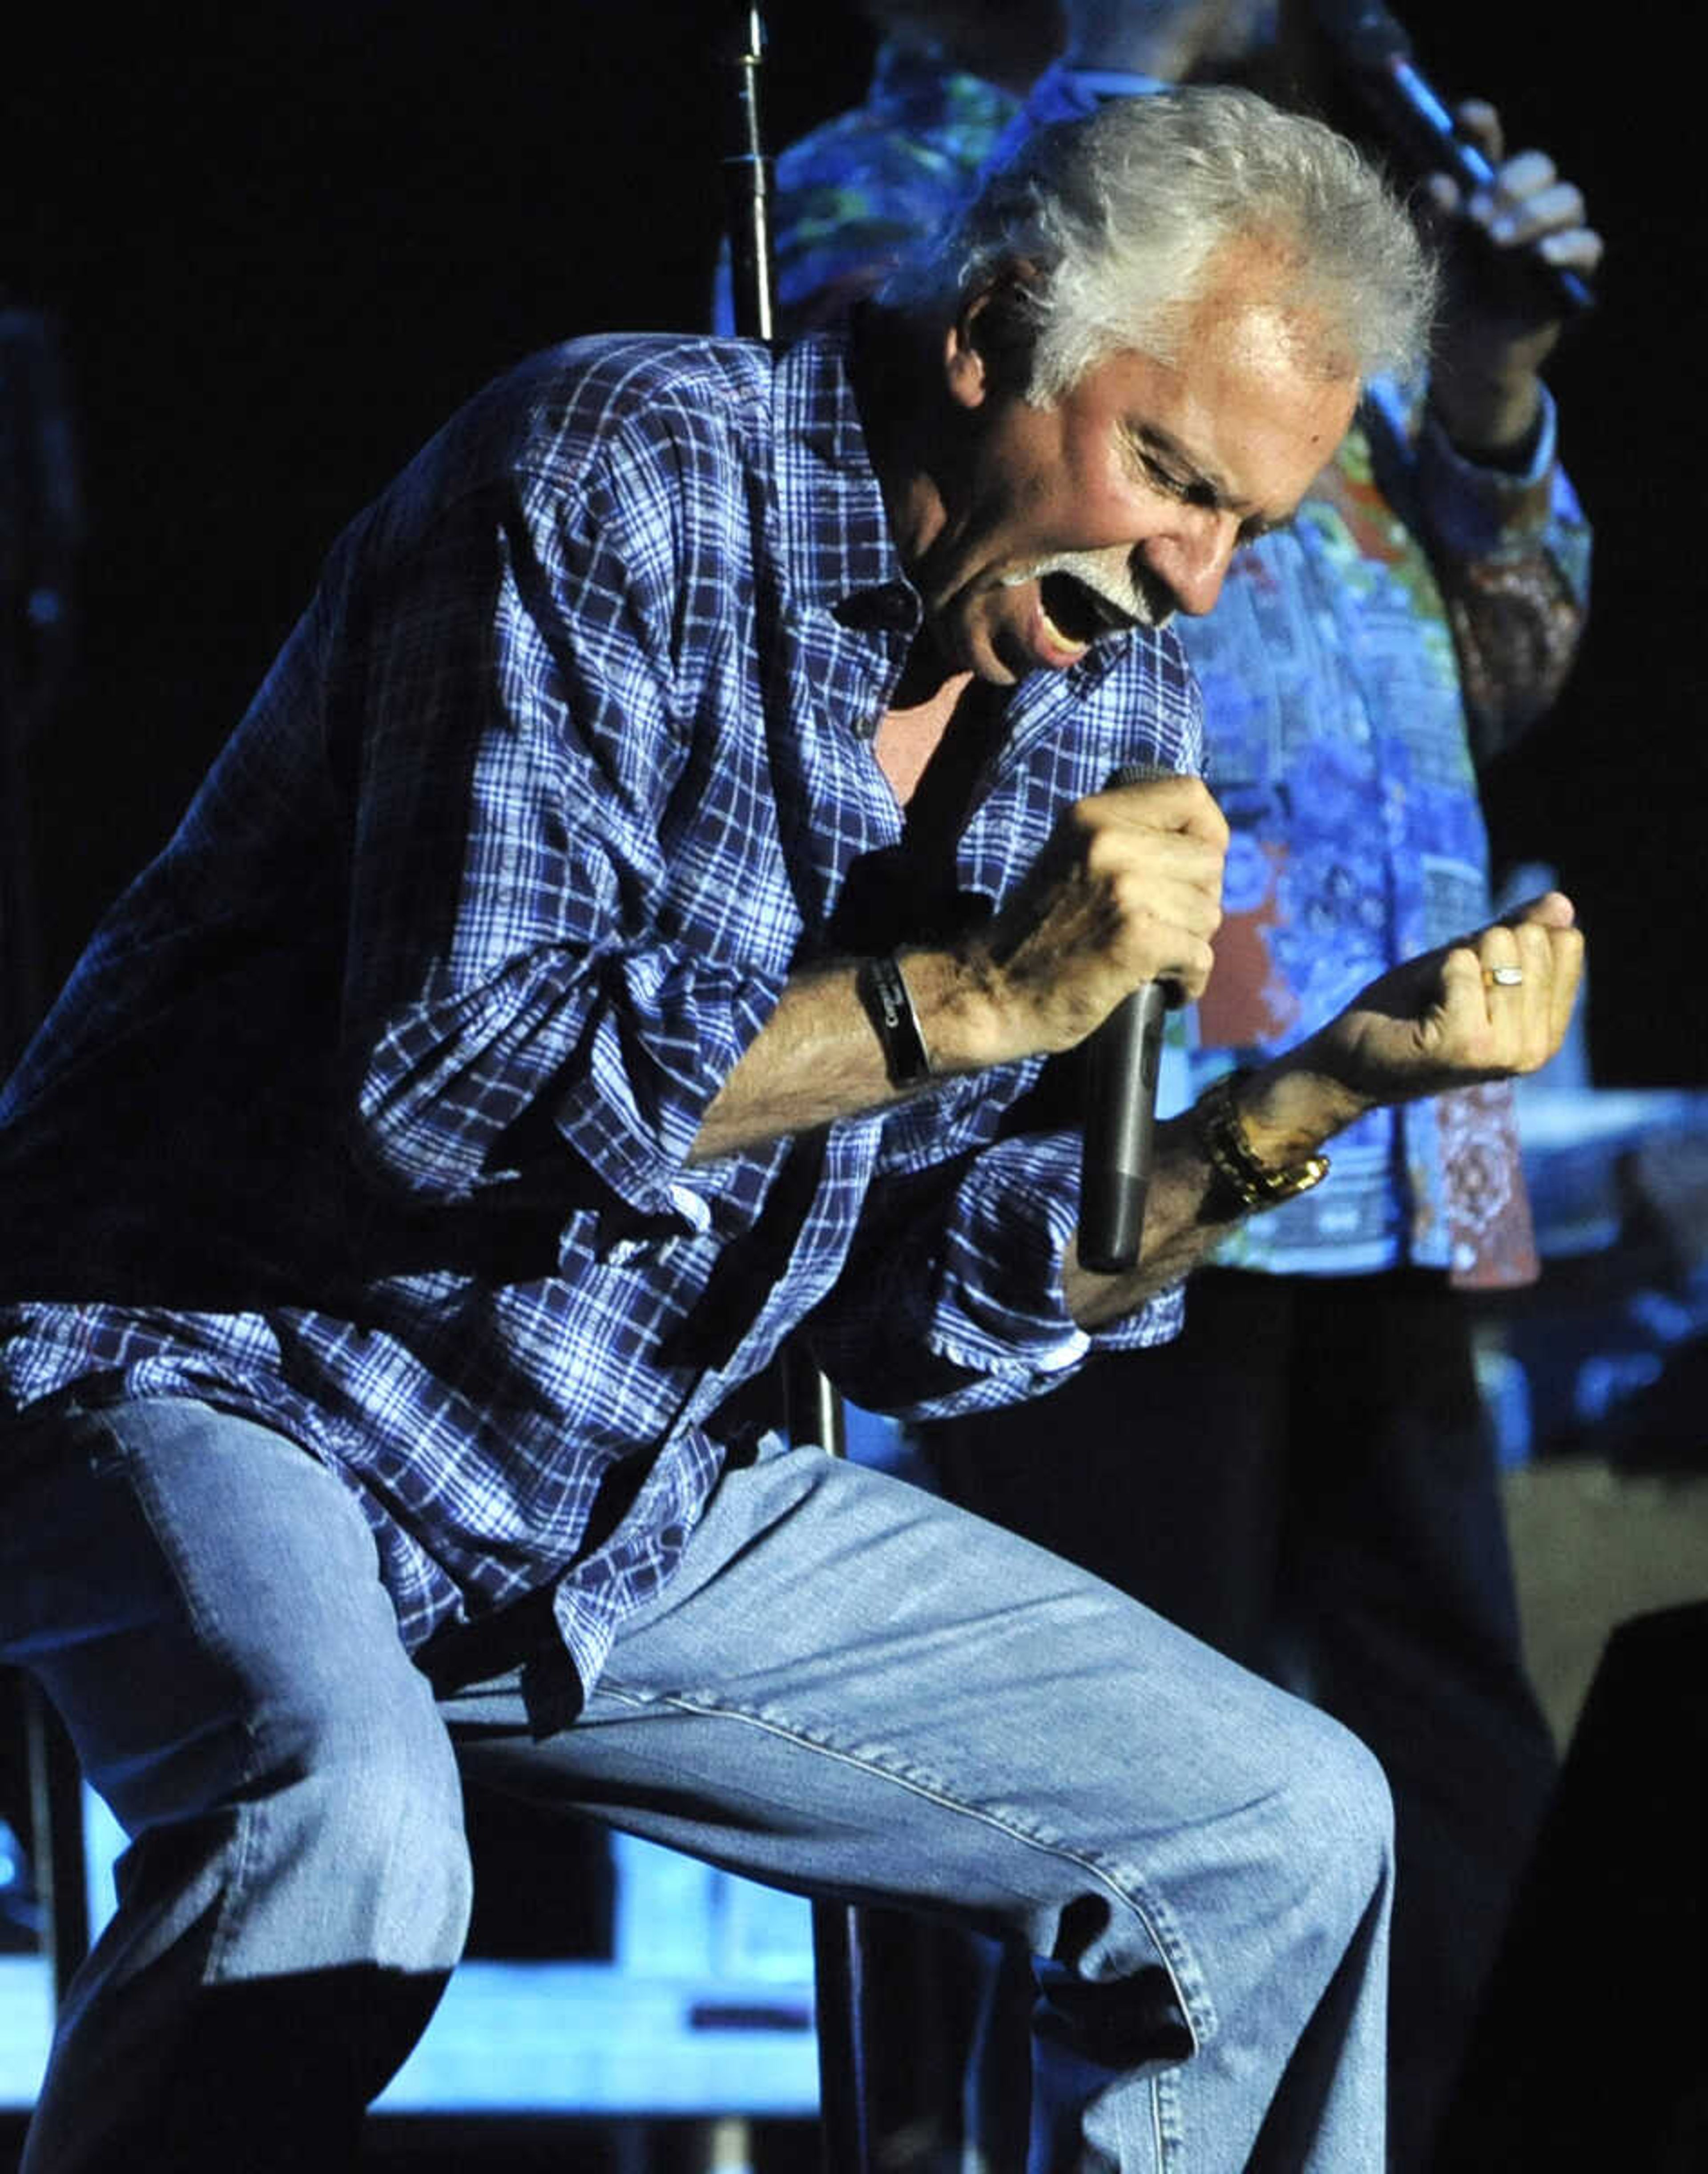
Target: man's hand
(1499, 326)
(1496, 1004)
(1128, 890)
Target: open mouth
(1077, 612)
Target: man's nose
(1193, 557)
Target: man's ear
(990, 344)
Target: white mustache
(1107, 574)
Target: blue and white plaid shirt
(367, 1114)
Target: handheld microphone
(1376, 55)
(1124, 1057)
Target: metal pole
(747, 182)
(56, 1821)
(811, 1408)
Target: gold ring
(1503, 977)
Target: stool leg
(56, 1800)
(837, 1976)
(813, 1412)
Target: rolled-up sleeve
(955, 1303)
(521, 963)
(1510, 549)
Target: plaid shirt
(367, 1113)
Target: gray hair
(1109, 226)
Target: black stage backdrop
(281, 243)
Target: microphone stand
(747, 182)
(811, 1407)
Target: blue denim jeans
(849, 1688)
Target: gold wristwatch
(1221, 1134)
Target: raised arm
(1510, 544)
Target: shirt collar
(916, 91)
(1064, 94)
(836, 534)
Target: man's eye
(1187, 490)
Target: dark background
(280, 244)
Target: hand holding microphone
(1370, 50)
(1123, 1059)
(1518, 242)
(1112, 925)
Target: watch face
(1290, 1184)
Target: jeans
(849, 1687)
(1338, 1528)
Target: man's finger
(1530, 971)
(1567, 948)
(1552, 908)
(1557, 209)
(1180, 803)
(1523, 176)
(1480, 124)
(1579, 249)
(1536, 1007)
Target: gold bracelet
(1221, 1134)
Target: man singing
(624, 931)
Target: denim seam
(1153, 1915)
(1166, 2117)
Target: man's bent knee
(354, 1851)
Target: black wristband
(883, 991)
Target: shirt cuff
(1000, 1309)
(657, 1057)
(1477, 512)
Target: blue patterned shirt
(1340, 752)
(368, 1112)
